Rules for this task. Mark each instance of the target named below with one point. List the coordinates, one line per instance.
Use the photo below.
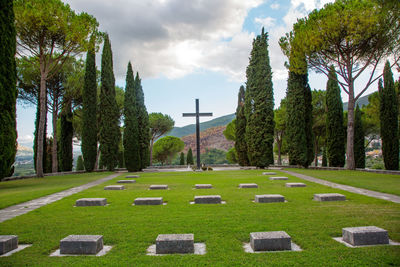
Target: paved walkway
(19, 209)
(352, 189)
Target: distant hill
(362, 101)
(191, 129)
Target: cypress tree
(109, 114)
(89, 109)
(79, 164)
(335, 132)
(143, 124)
(189, 157)
(308, 122)
(131, 131)
(324, 160)
(8, 91)
(259, 105)
(182, 159)
(359, 135)
(388, 112)
(240, 130)
(65, 141)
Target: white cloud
(266, 22)
(25, 138)
(275, 6)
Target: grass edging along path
(385, 183)
(18, 191)
(223, 228)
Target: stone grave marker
(81, 244)
(270, 241)
(126, 181)
(251, 185)
(203, 186)
(329, 197)
(211, 199)
(132, 176)
(148, 201)
(175, 243)
(114, 187)
(365, 235)
(269, 173)
(269, 198)
(8, 243)
(158, 187)
(85, 202)
(295, 185)
(278, 178)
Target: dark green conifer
(79, 163)
(388, 112)
(65, 141)
(359, 139)
(182, 159)
(131, 131)
(8, 91)
(89, 109)
(109, 114)
(143, 124)
(259, 105)
(324, 159)
(335, 132)
(240, 130)
(189, 157)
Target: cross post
(197, 115)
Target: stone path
(352, 189)
(19, 209)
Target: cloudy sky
(187, 49)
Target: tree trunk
(42, 118)
(279, 144)
(54, 155)
(96, 164)
(350, 129)
(151, 151)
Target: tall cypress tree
(388, 112)
(240, 130)
(359, 138)
(8, 91)
(65, 141)
(109, 114)
(89, 108)
(308, 121)
(131, 132)
(143, 124)
(259, 105)
(182, 159)
(189, 157)
(335, 132)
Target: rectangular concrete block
(278, 178)
(252, 185)
(269, 173)
(175, 243)
(270, 241)
(126, 181)
(295, 185)
(211, 199)
(81, 244)
(203, 186)
(114, 187)
(83, 202)
(8, 243)
(329, 197)
(365, 235)
(158, 187)
(269, 198)
(149, 201)
(132, 176)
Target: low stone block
(149, 201)
(8, 243)
(278, 178)
(158, 187)
(329, 197)
(132, 176)
(212, 199)
(83, 202)
(81, 244)
(203, 186)
(175, 243)
(114, 187)
(126, 181)
(269, 198)
(270, 241)
(365, 235)
(295, 185)
(269, 173)
(248, 186)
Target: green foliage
(319, 120)
(230, 131)
(131, 132)
(324, 158)
(280, 116)
(109, 115)
(189, 157)
(143, 125)
(8, 92)
(79, 164)
(159, 124)
(89, 110)
(240, 130)
(371, 120)
(259, 105)
(232, 156)
(65, 141)
(359, 140)
(182, 159)
(388, 112)
(335, 133)
(165, 149)
(213, 156)
(308, 125)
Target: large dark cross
(197, 115)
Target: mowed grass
(386, 183)
(223, 228)
(18, 191)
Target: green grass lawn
(223, 228)
(18, 191)
(386, 183)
